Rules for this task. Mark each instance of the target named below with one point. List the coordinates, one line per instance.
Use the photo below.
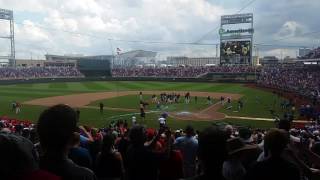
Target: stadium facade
(192, 61)
(88, 65)
(135, 58)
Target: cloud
(150, 20)
(30, 31)
(290, 28)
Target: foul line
(130, 114)
(259, 119)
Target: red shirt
(172, 169)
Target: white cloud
(57, 21)
(150, 20)
(290, 28)
(29, 31)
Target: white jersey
(134, 120)
(162, 120)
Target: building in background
(192, 61)
(29, 63)
(135, 58)
(88, 65)
(269, 60)
(26, 63)
(304, 51)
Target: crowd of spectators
(57, 148)
(179, 72)
(304, 80)
(38, 72)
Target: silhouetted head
(137, 135)
(284, 124)
(276, 141)
(108, 142)
(17, 156)
(212, 149)
(189, 131)
(56, 127)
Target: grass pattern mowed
(28, 91)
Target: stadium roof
(73, 57)
(138, 53)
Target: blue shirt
(188, 147)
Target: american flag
(118, 51)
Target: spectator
(239, 154)
(122, 146)
(172, 168)
(143, 164)
(18, 160)
(188, 146)
(56, 127)
(212, 153)
(109, 163)
(79, 155)
(275, 167)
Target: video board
(235, 52)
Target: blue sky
(51, 26)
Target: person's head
(212, 149)
(229, 130)
(245, 134)
(17, 156)
(137, 135)
(284, 124)
(189, 131)
(150, 133)
(56, 127)
(108, 142)
(275, 142)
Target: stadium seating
(122, 152)
(38, 72)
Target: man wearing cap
(238, 151)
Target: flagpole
(111, 52)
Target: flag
(118, 51)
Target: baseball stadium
(230, 107)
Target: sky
(93, 27)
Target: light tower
(8, 16)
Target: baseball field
(121, 101)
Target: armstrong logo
(238, 31)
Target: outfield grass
(257, 103)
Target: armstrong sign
(238, 31)
(6, 14)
